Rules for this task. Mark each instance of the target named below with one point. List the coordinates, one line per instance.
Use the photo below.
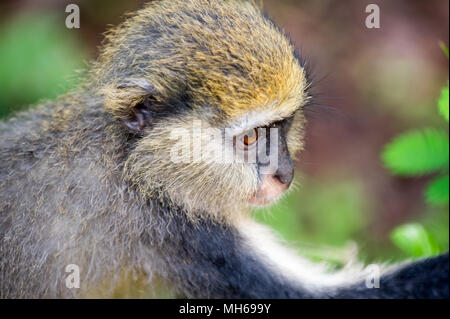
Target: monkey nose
(270, 188)
(285, 176)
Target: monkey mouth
(271, 188)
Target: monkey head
(208, 94)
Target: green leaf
(437, 192)
(444, 48)
(443, 103)
(417, 153)
(415, 240)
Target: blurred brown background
(370, 84)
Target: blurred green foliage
(437, 190)
(416, 153)
(38, 57)
(415, 240)
(444, 49)
(443, 103)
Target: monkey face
(207, 103)
(215, 170)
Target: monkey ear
(140, 117)
(132, 103)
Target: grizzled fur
(84, 180)
(78, 187)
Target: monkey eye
(249, 138)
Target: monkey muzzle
(272, 186)
(270, 189)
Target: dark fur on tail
(423, 279)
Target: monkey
(91, 179)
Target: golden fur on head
(226, 54)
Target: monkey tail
(422, 279)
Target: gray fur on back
(63, 200)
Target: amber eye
(250, 137)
